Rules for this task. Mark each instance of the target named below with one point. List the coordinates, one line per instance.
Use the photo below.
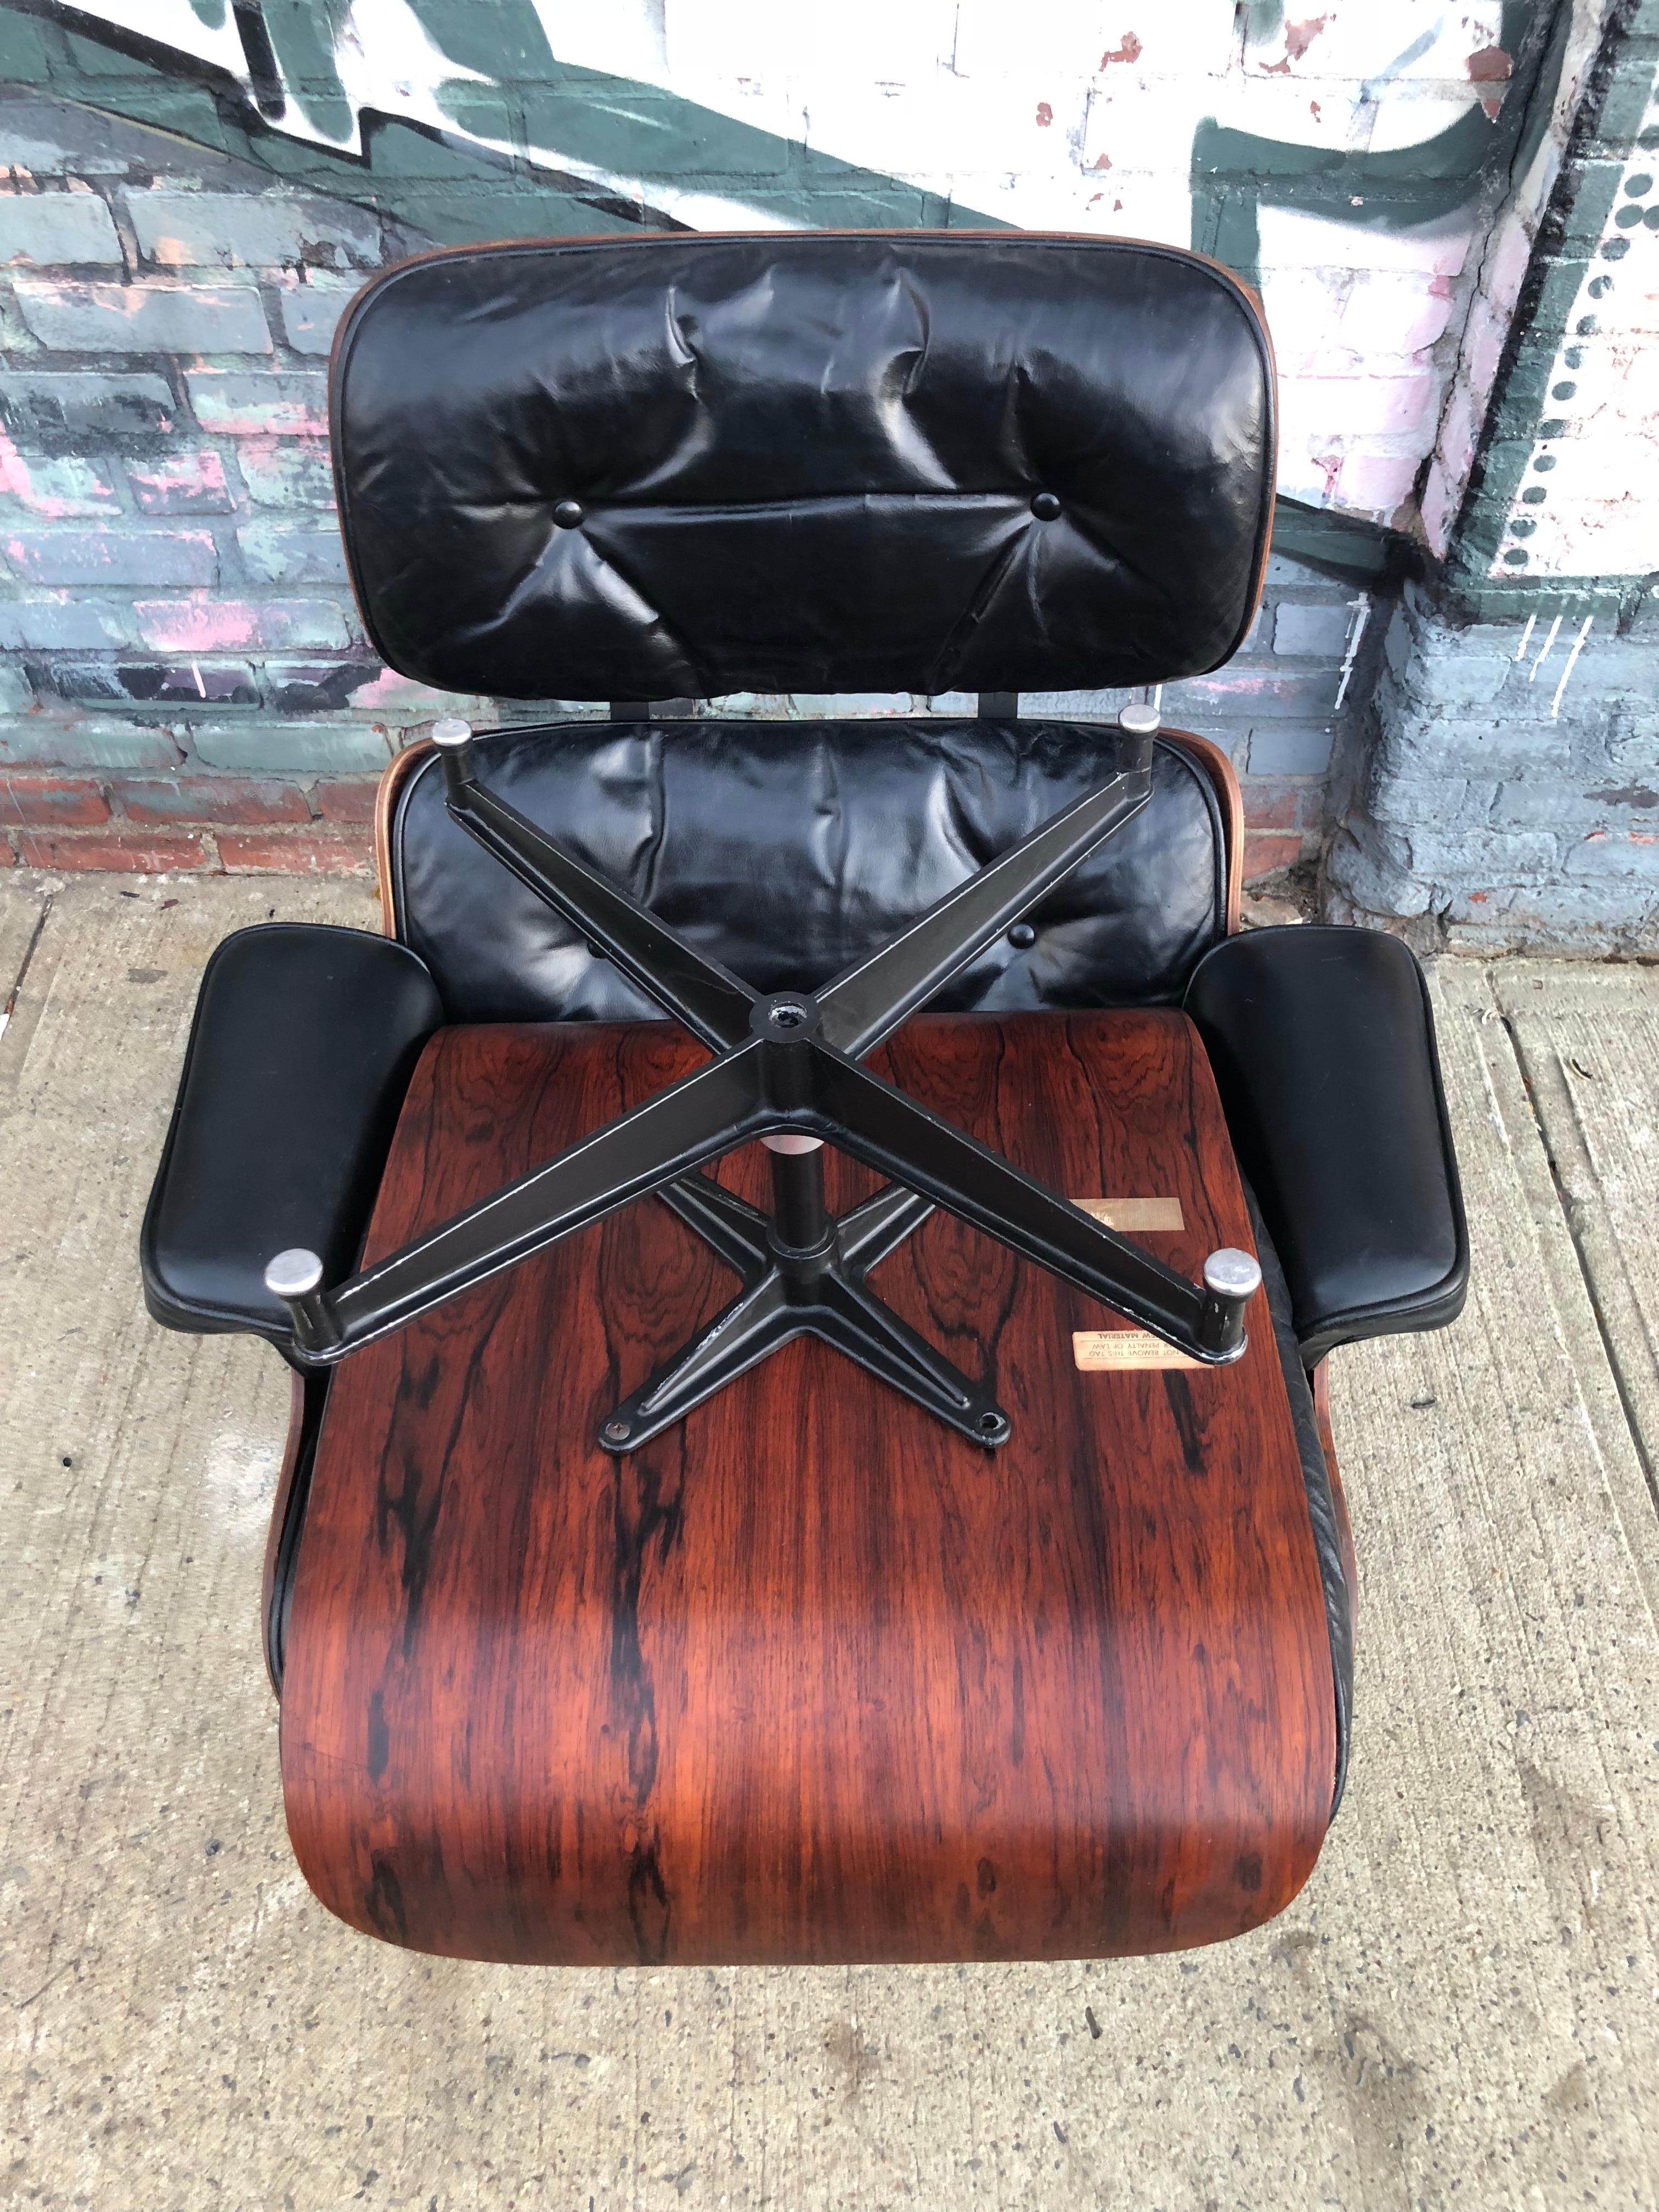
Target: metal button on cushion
(1046, 507)
(1022, 936)
(569, 513)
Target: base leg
(757, 1322)
(858, 1323)
(726, 1223)
(871, 1230)
(786, 1295)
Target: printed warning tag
(1132, 1213)
(1098, 1350)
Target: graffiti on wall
(1343, 155)
(1584, 501)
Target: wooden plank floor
(1457, 2012)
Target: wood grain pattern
(811, 1678)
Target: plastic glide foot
(787, 1294)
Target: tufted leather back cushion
(790, 849)
(680, 467)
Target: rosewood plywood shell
(811, 1678)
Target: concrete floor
(1459, 2010)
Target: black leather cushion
(790, 849)
(302, 1046)
(1323, 1044)
(803, 462)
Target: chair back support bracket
(786, 1069)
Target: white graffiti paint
(1065, 114)
(1579, 644)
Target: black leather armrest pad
(301, 1049)
(1323, 1044)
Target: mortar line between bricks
(1609, 1344)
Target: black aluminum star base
(816, 1289)
(785, 1069)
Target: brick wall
(1489, 818)
(1508, 251)
(183, 680)
(1502, 788)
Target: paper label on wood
(1099, 1349)
(1132, 1213)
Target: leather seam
(1352, 1319)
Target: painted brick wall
(182, 677)
(1489, 818)
(1501, 787)
(1502, 258)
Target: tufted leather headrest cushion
(788, 850)
(814, 462)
